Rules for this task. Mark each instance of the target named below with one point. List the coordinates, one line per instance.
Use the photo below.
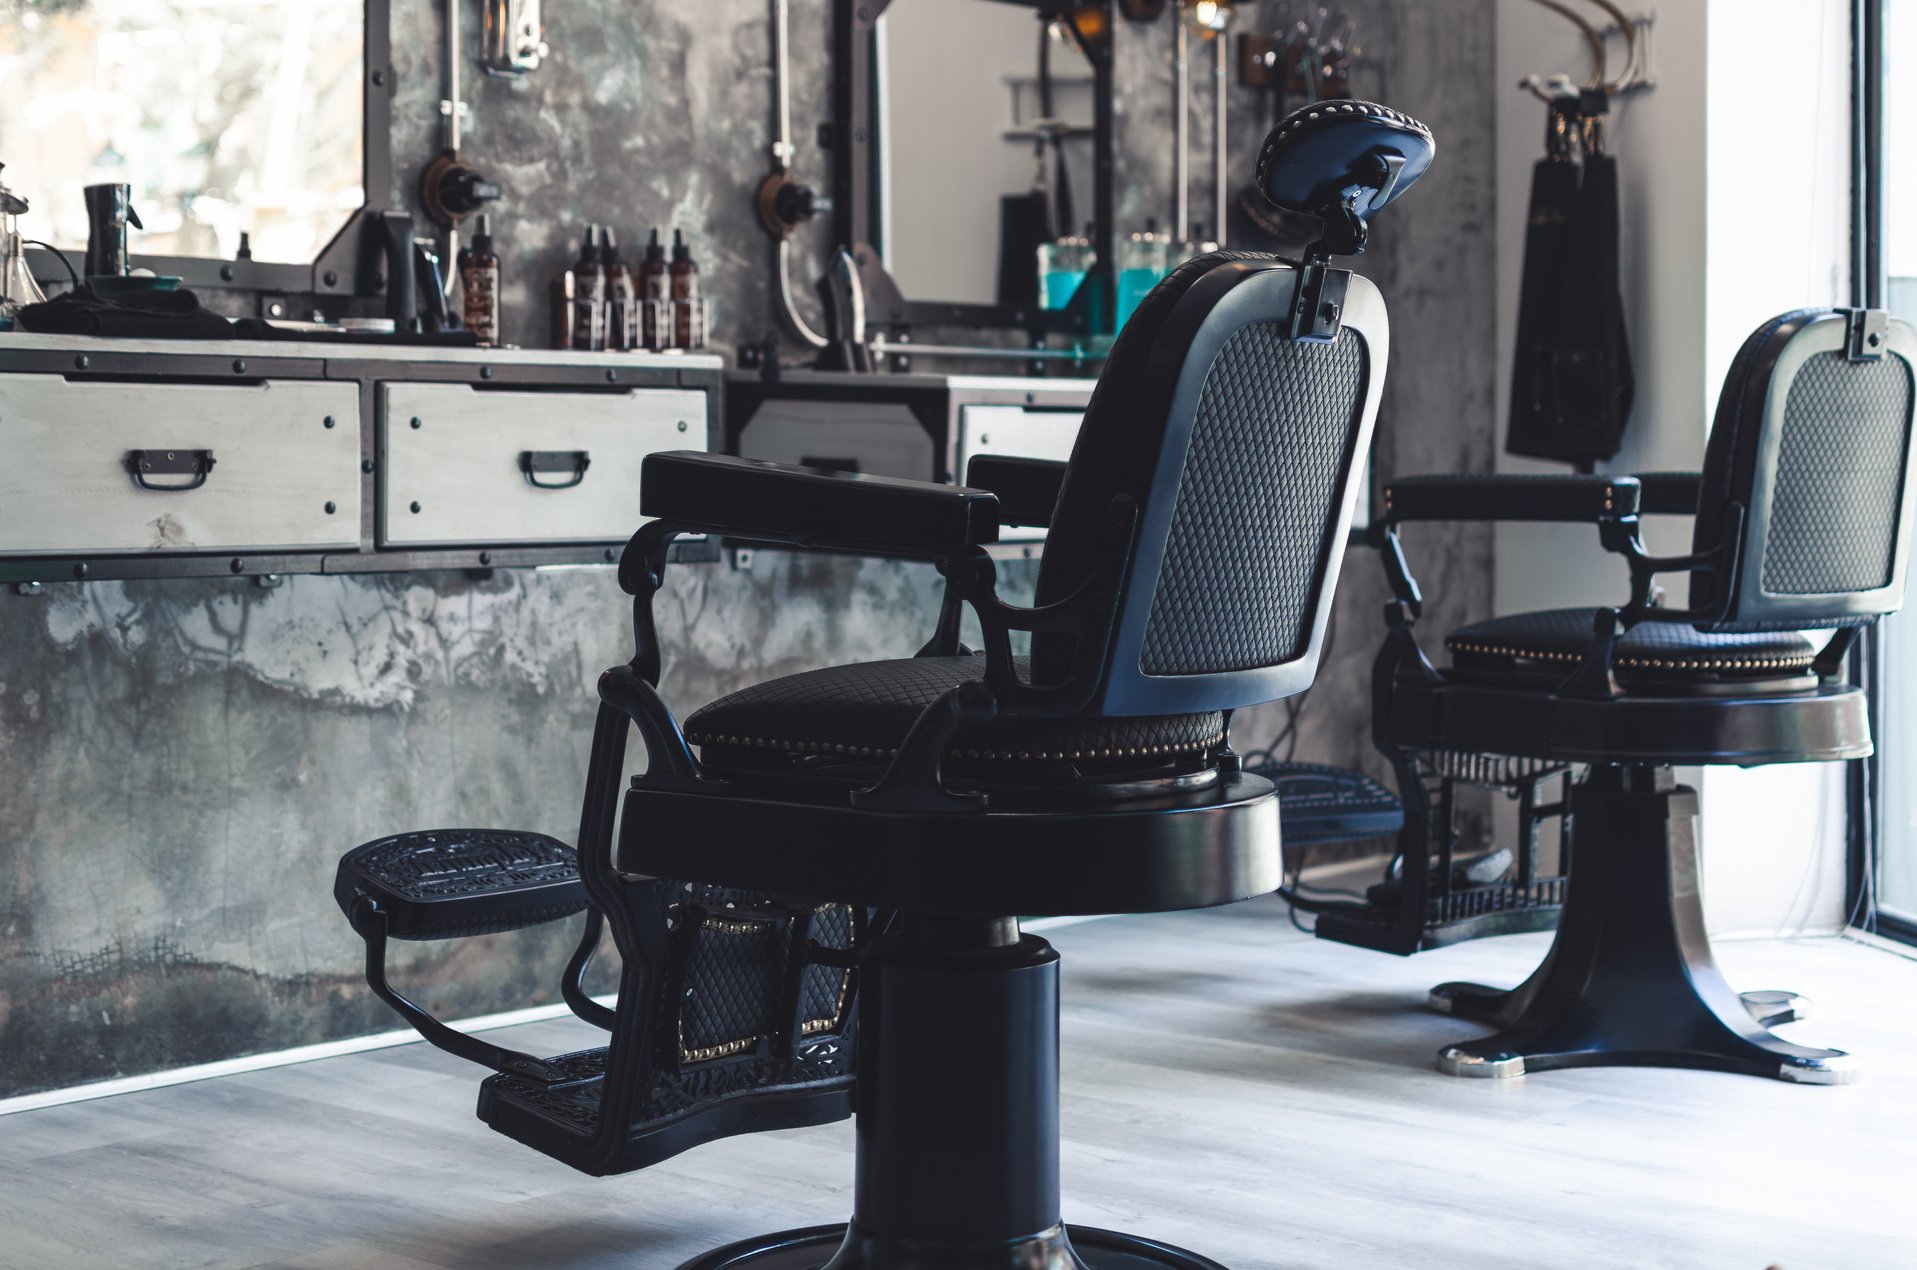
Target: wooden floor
(1230, 1086)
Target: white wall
(1735, 184)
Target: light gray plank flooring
(1230, 1085)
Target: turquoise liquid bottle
(1141, 263)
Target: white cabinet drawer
(461, 465)
(1015, 432)
(284, 471)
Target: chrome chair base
(836, 1248)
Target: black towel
(162, 315)
(1572, 383)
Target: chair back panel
(1269, 450)
(1241, 449)
(1815, 445)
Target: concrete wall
(181, 763)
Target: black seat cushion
(1561, 637)
(864, 710)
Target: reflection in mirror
(968, 165)
(225, 116)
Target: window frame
(1868, 290)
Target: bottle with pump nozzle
(655, 297)
(479, 284)
(589, 295)
(688, 306)
(1143, 259)
(622, 295)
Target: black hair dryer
(109, 212)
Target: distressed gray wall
(182, 762)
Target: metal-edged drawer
(1021, 432)
(460, 464)
(105, 467)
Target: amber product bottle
(479, 284)
(688, 307)
(589, 295)
(622, 295)
(655, 297)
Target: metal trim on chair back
(1244, 501)
(1808, 475)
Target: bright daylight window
(1897, 765)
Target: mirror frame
(855, 181)
(351, 263)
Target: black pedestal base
(957, 1118)
(1500, 1007)
(827, 1248)
(1630, 980)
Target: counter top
(361, 351)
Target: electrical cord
(71, 272)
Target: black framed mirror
(269, 118)
(1017, 96)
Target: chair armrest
(1511, 497)
(1027, 489)
(750, 498)
(1668, 493)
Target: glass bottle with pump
(479, 284)
(589, 295)
(688, 306)
(1142, 261)
(622, 295)
(1062, 267)
(655, 297)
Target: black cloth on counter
(178, 315)
(161, 315)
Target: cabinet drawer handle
(572, 462)
(197, 464)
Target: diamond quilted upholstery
(1840, 477)
(1117, 448)
(1257, 503)
(732, 984)
(1563, 636)
(865, 710)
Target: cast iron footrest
(681, 1109)
(449, 883)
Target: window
(1894, 169)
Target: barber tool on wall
(1301, 62)
(512, 37)
(450, 187)
(1572, 381)
(784, 202)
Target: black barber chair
(1803, 517)
(903, 812)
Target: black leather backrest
(1241, 448)
(1813, 447)
(1117, 447)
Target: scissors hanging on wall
(1302, 60)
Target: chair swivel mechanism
(840, 867)
(1803, 514)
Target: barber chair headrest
(1342, 161)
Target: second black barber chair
(1803, 520)
(851, 847)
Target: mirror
(962, 93)
(948, 147)
(225, 116)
